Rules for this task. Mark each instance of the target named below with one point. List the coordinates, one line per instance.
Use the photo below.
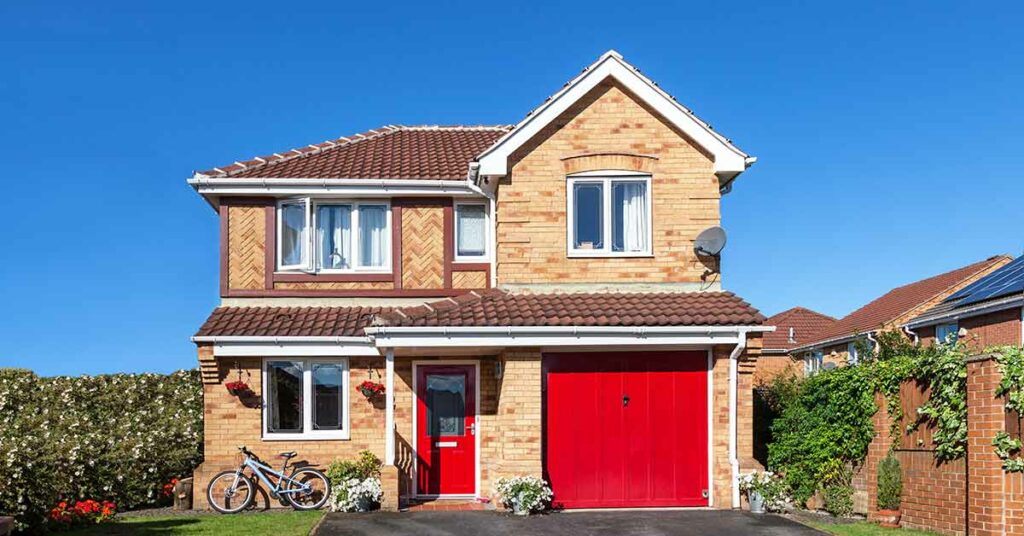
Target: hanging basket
(371, 390)
(238, 388)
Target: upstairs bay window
(609, 216)
(333, 236)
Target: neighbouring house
(987, 313)
(840, 342)
(528, 296)
(792, 327)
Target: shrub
(355, 485)
(771, 488)
(838, 495)
(117, 437)
(890, 483)
(523, 494)
(367, 466)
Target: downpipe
(734, 462)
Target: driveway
(618, 523)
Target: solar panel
(1005, 281)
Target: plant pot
(888, 518)
(756, 502)
(364, 504)
(520, 511)
(368, 393)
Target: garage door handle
(625, 400)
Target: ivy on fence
(1011, 388)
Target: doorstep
(448, 505)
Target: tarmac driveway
(618, 523)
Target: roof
(903, 300)
(804, 323)
(390, 152)
(729, 160)
(1002, 288)
(289, 321)
(489, 308)
(499, 308)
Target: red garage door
(627, 429)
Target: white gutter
(353, 187)
(410, 337)
(734, 462)
(969, 311)
(242, 346)
(282, 339)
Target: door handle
(472, 429)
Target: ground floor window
(305, 398)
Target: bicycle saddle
(287, 455)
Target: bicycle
(231, 492)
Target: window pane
(947, 333)
(334, 236)
(629, 216)
(284, 397)
(446, 404)
(588, 202)
(373, 239)
(293, 222)
(472, 230)
(327, 396)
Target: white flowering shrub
(523, 494)
(117, 437)
(356, 495)
(768, 485)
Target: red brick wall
(999, 328)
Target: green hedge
(117, 437)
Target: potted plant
(237, 388)
(523, 494)
(765, 491)
(371, 389)
(890, 489)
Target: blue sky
(888, 137)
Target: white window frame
(308, 433)
(487, 233)
(305, 238)
(309, 237)
(852, 355)
(955, 332)
(606, 178)
(813, 362)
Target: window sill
(327, 277)
(325, 436)
(608, 255)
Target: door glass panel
(446, 405)
(327, 393)
(284, 397)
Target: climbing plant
(944, 369)
(1011, 364)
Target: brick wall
(998, 328)
(771, 365)
(607, 129)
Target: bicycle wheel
(316, 494)
(230, 492)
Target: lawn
(867, 529)
(276, 523)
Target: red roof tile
(805, 323)
(391, 152)
(499, 308)
(902, 300)
(289, 321)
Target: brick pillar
(986, 508)
(389, 483)
(877, 451)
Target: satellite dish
(710, 242)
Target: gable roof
(494, 308)
(902, 301)
(804, 322)
(729, 159)
(390, 152)
(1001, 289)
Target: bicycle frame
(261, 469)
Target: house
(987, 313)
(529, 296)
(840, 342)
(792, 327)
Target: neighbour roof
(289, 321)
(993, 289)
(500, 308)
(903, 300)
(390, 152)
(804, 322)
(489, 308)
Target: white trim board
(729, 160)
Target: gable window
(305, 399)
(471, 231)
(947, 333)
(333, 236)
(609, 215)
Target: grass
(867, 529)
(278, 524)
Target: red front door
(446, 429)
(627, 430)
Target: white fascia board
(237, 346)
(830, 342)
(216, 186)
(729, 160)
(967, 312)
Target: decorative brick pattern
(469, 280)
(531, 216)
(208, 370)
(335, 285)
(246, 238)
(422, 247)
